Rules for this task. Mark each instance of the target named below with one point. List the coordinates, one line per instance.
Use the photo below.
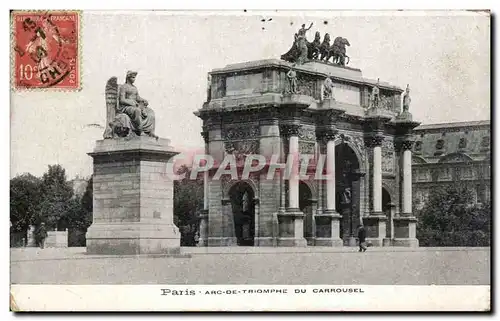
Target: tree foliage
(80, 211)
(25, 199)
(450, 218)
(48, 199)
(188, 201)
(57, 193)
(87, 201)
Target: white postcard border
(251, 298)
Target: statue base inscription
(133, 198)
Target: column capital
(269, 122)
(326, 135)
(407, 144)
(289, 130)
(374, 141)
(403, 145)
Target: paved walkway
(34, 253)
(249, 265)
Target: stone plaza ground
(252, 265)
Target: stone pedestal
(387, 242)
(375, 226)
(380, 112)
(272, 239)
(351, 241)
(405, 231)
(221, 223)
(222, 241)
(328, 229)
(291, 228)
(133, 198)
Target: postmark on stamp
(45, 49)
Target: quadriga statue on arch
(338, 51)
(127, 114)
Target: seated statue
(313, 48)
(298, 53)
(127, 114)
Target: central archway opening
(347, 189)
(387, 208)
(242, 199)
(305, 206)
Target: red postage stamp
(46, 49)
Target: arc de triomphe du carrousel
(354, 132)
(312, 104)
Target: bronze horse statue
(296, 51)
(338, 52)
(292, 54)
(324, 48)
(318, 50)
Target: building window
(418, 147)
(463, 143)
(439, 147)
(481, 191)
(435, 175)
(485, 143)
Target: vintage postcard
(250, 160)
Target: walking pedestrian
(41, 235)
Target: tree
(25, 199)
(79, 216)
(56, 194)
(54, 182)
(87, 197)
(188, 201)
(79, 213)
(450, 218)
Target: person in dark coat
(362, 238)
(41, 235)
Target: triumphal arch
(356, 130)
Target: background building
(79, 185)
(446, 153)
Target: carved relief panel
(386, 102)
(388, 155)
(307, 133)
(308, 85)
(359, 142)
(240, 132)
(241, 149)
(241, 141)
(218, 86)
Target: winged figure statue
(127, 114)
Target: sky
(444, 57)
